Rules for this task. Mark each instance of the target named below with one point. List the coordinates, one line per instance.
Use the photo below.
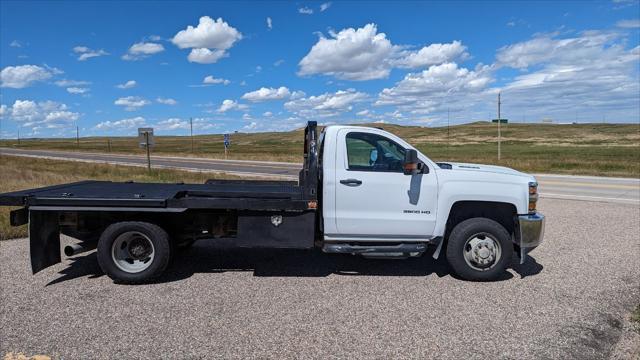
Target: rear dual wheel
(479, 249)
(134, 252)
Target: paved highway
(585, 188)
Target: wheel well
(502, 213)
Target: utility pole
(448, 141)
(499, 133)
(109, 145)
(77, 137)
(191, 125)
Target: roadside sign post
(227, 142)
(146, 140)
(108, 145)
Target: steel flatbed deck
(228, 194)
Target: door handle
(351, 182)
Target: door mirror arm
(412, 165)
(423, 168)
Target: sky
(110, 67)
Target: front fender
(451, 192)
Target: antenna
(499, 133)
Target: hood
(480, 167)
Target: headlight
(533, 197)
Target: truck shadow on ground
(205, 257)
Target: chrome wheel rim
(132, 252)
(482, 251)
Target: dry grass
(17, 173)
(589, 149)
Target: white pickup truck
(362, 191)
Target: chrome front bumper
(531, 232)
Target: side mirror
(411, 163)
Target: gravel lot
(569, 301)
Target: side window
(371, 152)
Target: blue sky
(110, 67)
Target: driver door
(373, 196)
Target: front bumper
(531, 232)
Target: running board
(377, 251)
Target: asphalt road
(569, 301)
(586, 188)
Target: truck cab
(381, 197)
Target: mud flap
(44, 237)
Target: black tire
(482, 228)
(161, 249)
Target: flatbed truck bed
(229, 194)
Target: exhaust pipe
(76, 249)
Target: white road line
(599, 178)
(579, 197)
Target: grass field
(20, 173)
(590, 149)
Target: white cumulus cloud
(305, 10)
(365, 54)
(68, 83)
(86, 53)
(231, 105)
(127, 85)
(210, 80)
(42, 114)
(205, 56)
(121, 125)
(264, 94)
(132, 103)
(629, 24)
(23, 76)
(352, 54)
(433, 54)
(166, 101)
(77, 90)
(327, 104)
(438, 86)
(269, 23)
(325, 6)
(142, 50)
(209, 40)
(172, 124)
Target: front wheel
(133, 252)
(479, 249)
